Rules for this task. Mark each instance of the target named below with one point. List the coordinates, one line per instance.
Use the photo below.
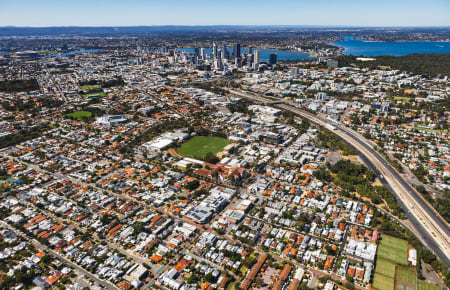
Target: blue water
(263, 53)
(73, 52)
(366, 48)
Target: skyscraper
(202, 53)
(250, 60)
(237, 50)
(225, 54)
(214, 50)
(250, 50)
(273, 58)
(256, 57)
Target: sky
(224, 12)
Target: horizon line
(232, 25)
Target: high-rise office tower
(202, 53)
(250, 50)
(273, 58)
(225, 54)
(256, 57)
(237, 50)
(250, 58)
(214, 50)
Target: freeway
(431, 229)
(414, 194)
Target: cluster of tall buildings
(221, 57)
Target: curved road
(431, 228)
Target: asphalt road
(40, 246)
(412, 191)
(424, 235)
(430, 227)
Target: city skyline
(203, 13)
(235, 145)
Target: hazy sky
(218, 12)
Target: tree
(200, 192)
(211, 158)
(210, 278)
(420, 188)
(24, 276)
(349, 285)
(191, 185)
(192, 279)
(138, 227)
(324, 279)
(46, 259)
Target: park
(198, 147)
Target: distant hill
(425, 64)
(110, 30)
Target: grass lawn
(100, 94)
(393, 249)
(243, 270)
(396, 256)
(382, 282)
(422, 285)
(79, 114)
(230, 286)
(433, 130)
(405, 99)
(89, 87)
(406, 276)
(385, 267)
(197, 147)
(394, 242)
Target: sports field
(406, 276)
(385, 267)
(381, 282)
(404, 99)
(422, 285)
(394, 242)
(197, 147)
(393, 249)
(100, 94)
(392, 268)
(79, 114)
(89, 87)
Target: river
(368, 48)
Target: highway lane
(416, 195)
(432, 230)
(416, 226)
